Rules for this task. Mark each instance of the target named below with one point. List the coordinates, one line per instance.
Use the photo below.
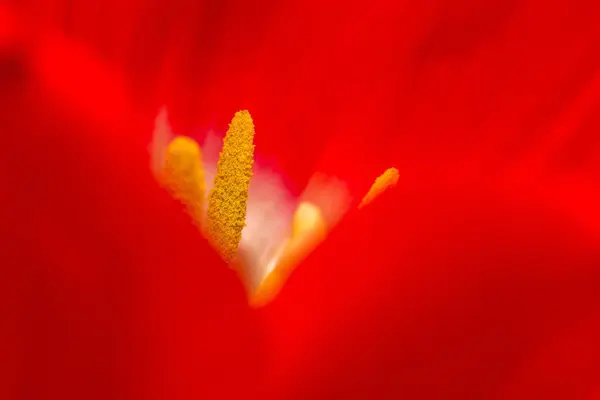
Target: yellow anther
(183, 175)
(386, 181)
(226, 215)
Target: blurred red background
(477, 278)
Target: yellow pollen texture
(183, 175)
(226, 215)
(387, 180)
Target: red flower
(477, 278)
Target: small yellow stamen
(308, 220)
(309, 229)
(183, 175)
(226, 215)
(387, 180)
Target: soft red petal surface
(352, 89)
(478, 277)
(109, 290)
(463, 293)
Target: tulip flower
(476, 277)
(246, 213)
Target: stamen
(226, 215)
(309, 229)
(183, 175)
(387, 180)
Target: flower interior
(244, 209)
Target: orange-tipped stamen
(387, 180)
